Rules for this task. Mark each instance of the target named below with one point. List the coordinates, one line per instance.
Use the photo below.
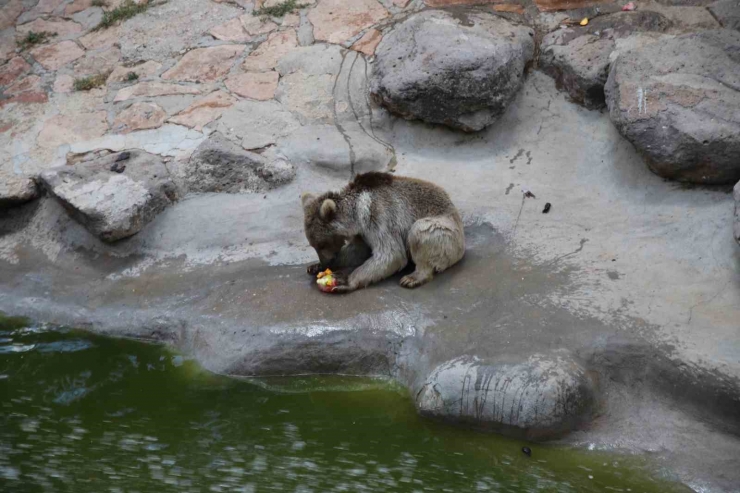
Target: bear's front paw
(314, 269)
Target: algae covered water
(83, 413)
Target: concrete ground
(635, 277)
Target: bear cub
(376, 222)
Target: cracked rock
(579, 58)
(218, 165)
(676, 100)
(458, 68)
(114, 196)
(542, 397)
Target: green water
(82, 413)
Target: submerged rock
(218, 165)
(113, 196)
(676, 100)
(458, 68)
(16, 190)
(540, 398)
(578, 58)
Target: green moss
(126, 11)
(99, 3)
(132, 76)
(34, 38)
(91, 82)
(280, 9)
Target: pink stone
(255, 25)
(139, 116)
(153, 89)
(204, 110)
(143, 70)
(77, 6)
(400, 3)
(204, 64)
(46, 6)
(26, 98)
(336, 21)
(97, 62)
(64, 83)
(9, 13)
(60, 27)
(54, 57)
(266, 56)
(230, 31)
(68, 129)
(105, 38)
(291, 20)
(368, 42)
(254, 85)
(12, 70)
(30, 83)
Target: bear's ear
(328, 208)
(306, 199)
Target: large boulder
(736, 229)
(219, 165)
(16, 190)
(677, 101)
(579, 58)
(538, 398)
(113, 196)
(459, 68)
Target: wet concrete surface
(634, 278)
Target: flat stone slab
(113, 196)
(266, 56)
(260, 86)
(12, 70)
(674, 101)
(139, 116)
(456, 69)
(203, 111)
(336, 21)
(154, 89)
(204, 64)
(54, 57)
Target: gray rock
(677, 101)
(16, 190)
(736, 194)
(218, 165)
(256, 124)
(113, 196)
(540, 398)
(727, 12)
(578, 58)
(459, 68)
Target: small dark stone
(123, 156)
(118, 167)
(527, 451)
(547, 208)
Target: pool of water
(83, 413)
